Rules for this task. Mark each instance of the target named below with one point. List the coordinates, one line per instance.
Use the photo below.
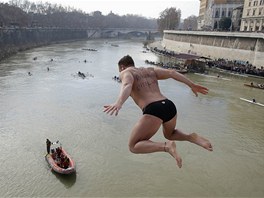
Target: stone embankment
(239, 46)
(13, 40)
(230, 66)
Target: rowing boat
(252, 102)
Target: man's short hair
(126, 61)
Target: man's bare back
(145, 85)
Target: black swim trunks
(163, 109)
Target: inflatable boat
(60, 161)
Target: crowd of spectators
(236, 66)
(240, 67)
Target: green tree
(190, 23)
(169, 19)
(24, 13)
(225, 23)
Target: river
(58, 105)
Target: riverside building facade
(253, 16)
(212, 11)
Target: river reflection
(58, 105)
(67, 180)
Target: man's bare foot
(171, 149)
(196, 139)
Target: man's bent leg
(144, 129)
(175, 134)
(140, 142)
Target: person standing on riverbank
(142, 85)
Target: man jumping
(142, 85)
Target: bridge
(124, 33)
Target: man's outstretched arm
(126, 88)
(170, 73)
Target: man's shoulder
(127, 72)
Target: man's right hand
(112, 109)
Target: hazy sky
(146, 8)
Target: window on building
(249, 3)
(255, 3)
(216, 14)
(223, 13)
(261, 2)
(260, 11)
(254, 12)
(248, 12)
(229, 13)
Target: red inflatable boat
(60, 161)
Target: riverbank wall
(247, 47)
(13, 40)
